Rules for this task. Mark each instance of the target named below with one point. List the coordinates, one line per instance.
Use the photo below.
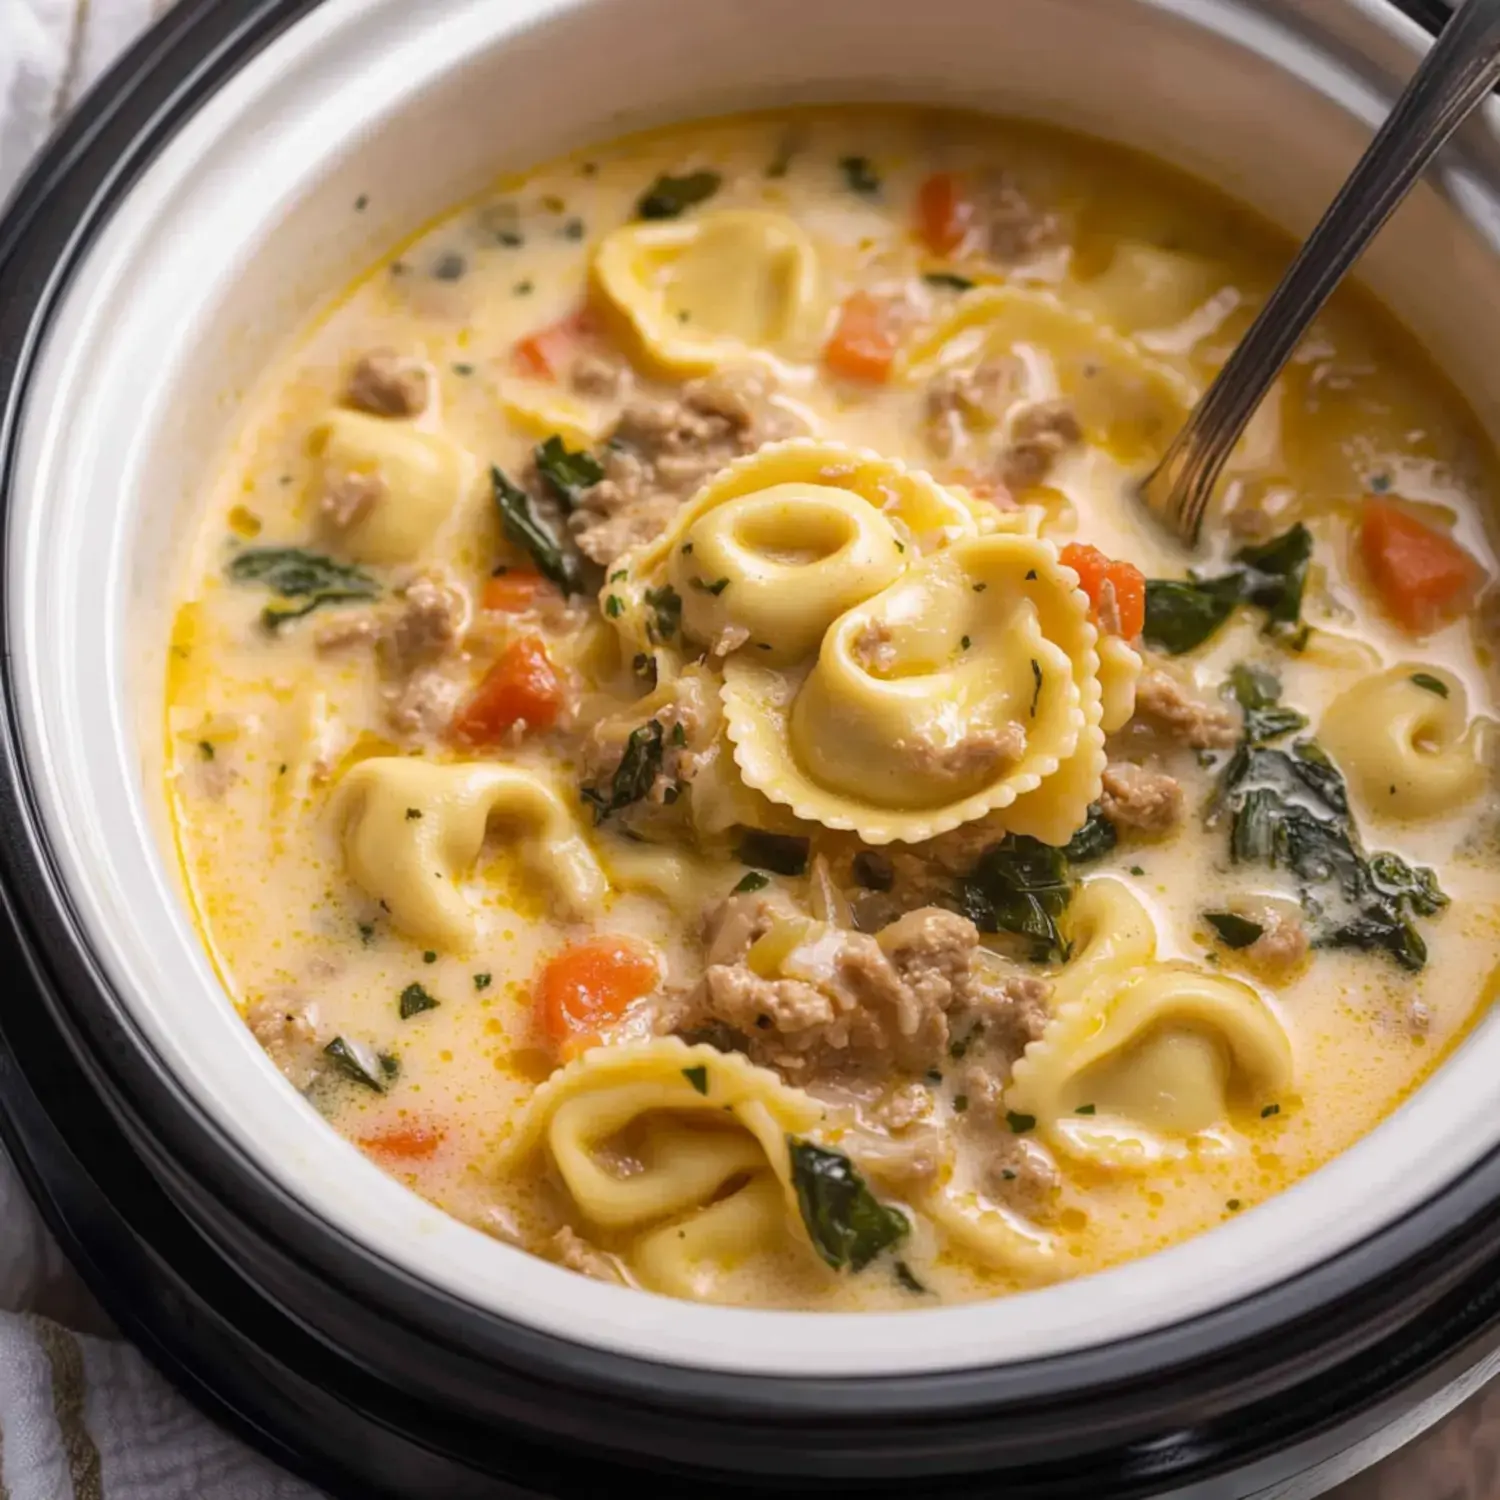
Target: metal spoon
(1460, 69)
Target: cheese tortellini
(691, 1122)
(1406, 742)
(412, 830)
(712, 290)
(1126, 404)
(1145, 1061)
(387, 486)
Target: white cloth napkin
(82, 1415)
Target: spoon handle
(1460, 69)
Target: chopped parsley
(715, 588)
(206, 749)
(1019, 1124)
(366, 933)
(450, 267)
(752, 881)
(1036, 692)
(1431, 684)
(482, 981)
(948, 281)
(669, 196)
(634, 776)
(1233, 930)
(430, 956)
(698, 1077)
(614, 606)
(413, 813)
(859, 176)
(566, 474)
(665, 604)
(1084, 1109)
(1094, 840)
(414, 1000)
(1269, 1110)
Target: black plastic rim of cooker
(370, 1382)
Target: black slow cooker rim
(1331, 1318)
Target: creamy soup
(687, 752)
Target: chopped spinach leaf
(1093, 841)
(1269, 1111)
(1086, 1109)
(523, 526)
(566, 474)
(781, 853)
(354, 1064)
(296, 573)
(1234, 930)
(1019, 885)
(906, 1280)
(1019, 1124)
(698, 1077)
(414, 1000)
(638, 769)
(948, 281)
(847, 1224)
(669, 196)
(859, 176)
(665, 604)
(1430, 683)
(753, 881)
(1258, 692)
(1276, 574)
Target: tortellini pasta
(1406, 743)
(691, 1122)
(391, 485)
(413, 829)
(1144, 1061)
(1128, 405)
(712, 290)
(995, 1236)
(969, 686)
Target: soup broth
(687, 752)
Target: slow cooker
(186, 221)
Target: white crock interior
(244, 226)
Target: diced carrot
(1423, 578)
(404, 1142)
(523, 685)
(944, 214)
(1127, 582)
(862, 346)
(588, 985)
(513, 591)
(544, 353)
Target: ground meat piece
(1135, 797)
(1169, 705)
(286, 1025)
(662, 448)
(980, 751)
(1010, 1005)
(388, 384)
(1039, 435)
(1012, 228)
(1283, 941)
(429, 624)
(424, 704)
(576, 1254)
(902, 1107)
(348, 498)
(599, 375)
(960, 402)
(1023, 1175)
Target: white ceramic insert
(244, 225)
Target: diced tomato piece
(944, 214)
(404, 1142)
(1128, 583)
(590, 984)
(523, 685)
(1423, 577)
(544, 354)
(513, 591)
(862, 346)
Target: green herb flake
(1233, 930)
(1019, 886)
(859, 176)
(463, 369)
(715, 588)
(525, 528)
(979, 588)
(366, 934)
(669, 196)
(614, 606)
(430, 956)
(965, 643)
(390, 1064)
(522, 289)
(574, 229)
(1094, 840)
(348, 1060)
(1258, 693)
(753, 881)
(1137, 870)
(414, 1000)
(665, 604)
(698, 1077)
(482, 981)
(413, 813)
(1428, 683)
(781, 853)
(1232, 1204)
(634, 776)
(361, 203)
(618, 574)
(566, 474)
(906, 1280)
(948, 281)
(848, 1226)
(1036, 692)
(450, 267)
(205, 749)
(1085, 1109)
(960, 1103)
(678, 736)
(296, 573)
(1269, 1111)
(1019, 1124)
